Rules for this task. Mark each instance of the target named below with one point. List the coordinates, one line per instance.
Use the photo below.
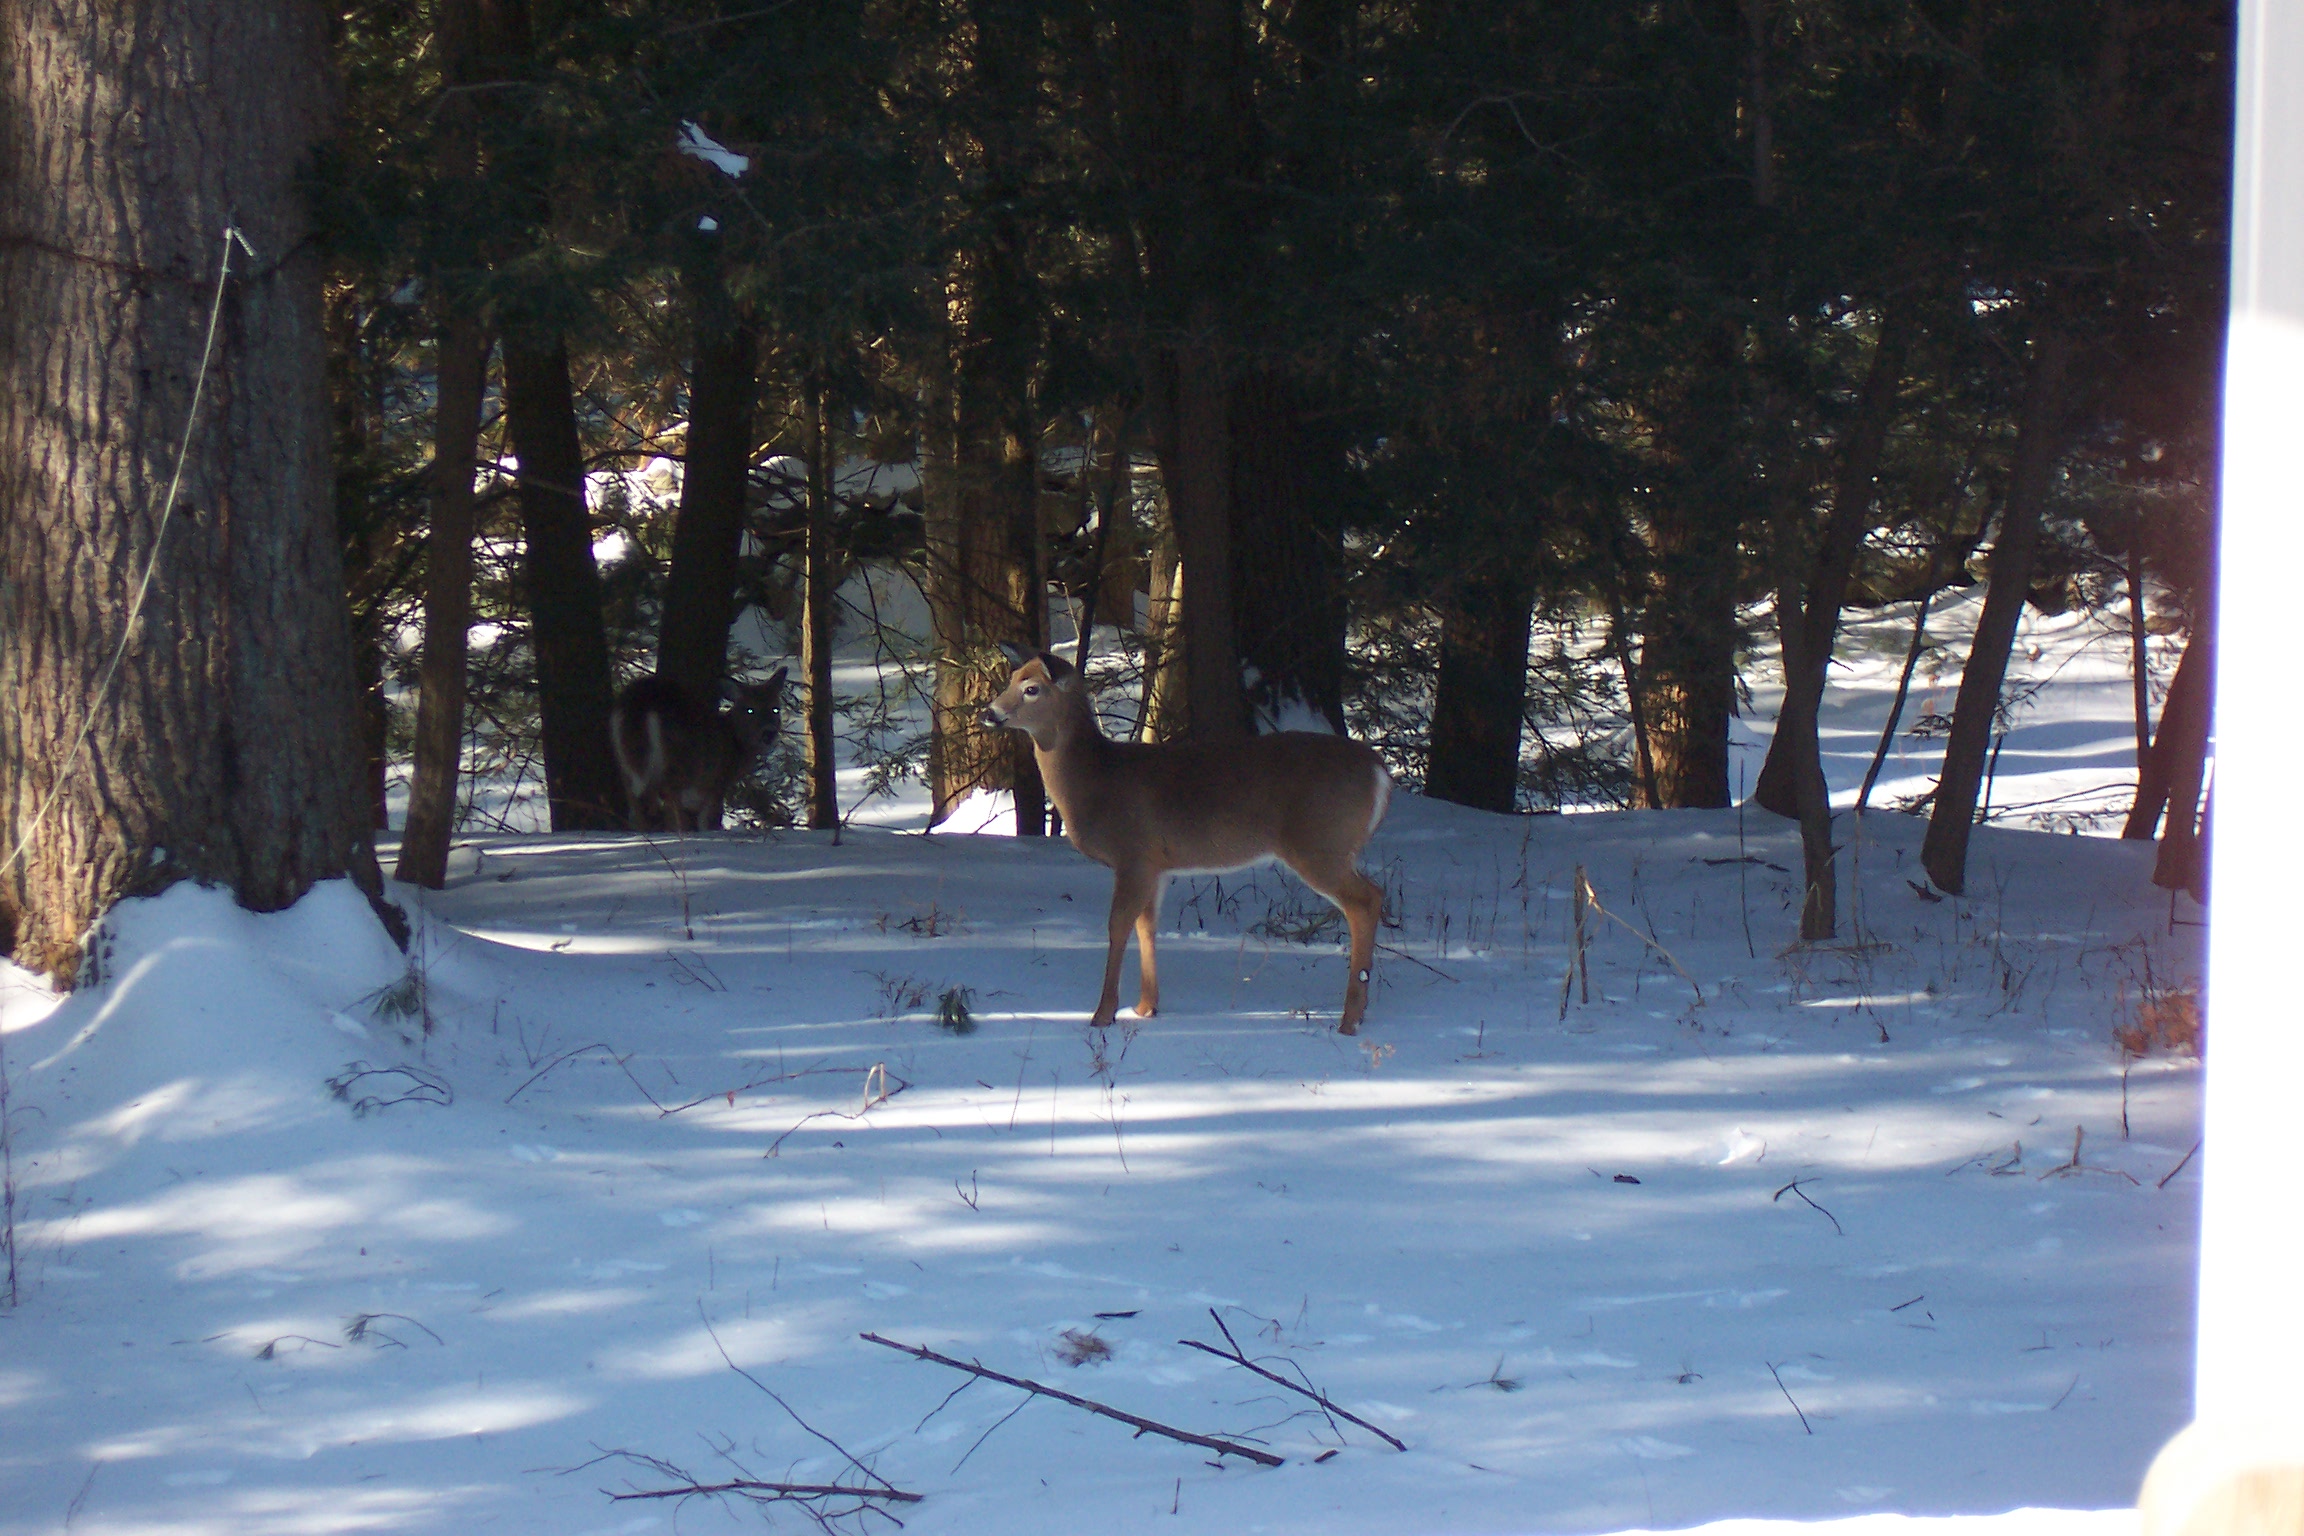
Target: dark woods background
(1464, 375)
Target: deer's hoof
(1348, 1027)
(1146, 1010)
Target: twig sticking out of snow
(1794, 1188)
(880, 1085)
(1142, 1426)
(1240, 1358)
(2074, 1165)
(1787, 1391)
(2179, 1168)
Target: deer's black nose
(991, 719)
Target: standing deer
(1310, 800)
(679, 754)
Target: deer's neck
(1072, 755)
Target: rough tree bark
(1288, 610)
(987, 572)
(708, 532)
(567, 630)
(1482, 688)
(1190, 122)
(1944, 851)
(1688, 657)
(222, 749)
(461, 347)
(461, 381)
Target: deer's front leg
(1148, 969)
(1131, 889)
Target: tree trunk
(1192, 436)
(461, 385)
(1688, 657)
(2139, 654)
(818, 625)
(708, 533)
(1818, 603)
(1162, 717)
(567, 632)
(208, 734)
(1288, 607)
(1482, 689)
(1944, 852)
(2183, 720)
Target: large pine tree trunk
(1482, 689)
(2039, 435)
(567, 631)
(708, 533)
(461, 381)
(987, 565)
(223, 747)
(460, 386)
(1191, 435)
(1688, 658)
(1288, 611)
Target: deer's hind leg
(1148, 969)
(1361, 901)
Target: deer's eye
(1031, 690)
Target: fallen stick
(1142, 1426)
(781, 1490)
(1240, 1359)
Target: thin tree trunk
(708, 533)
(2183, 720)
(1818, 602)
(2139, 656)
(818, 626)
(1896, 709)
(1482, 689)
(568, 632)
(461, 385)
(1644, 790)
(1944, 852)
(1163, 713)
(211, 738)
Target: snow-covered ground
(1876, 1227)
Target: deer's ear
(1016, 654)
(1058, 668)
(775, 681)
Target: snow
(699, 145)
(1859, 1276)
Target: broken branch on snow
(1142, 1426)
(1238, 1357)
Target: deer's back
(1219, 805)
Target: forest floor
(597, 1191)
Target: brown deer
(679, 754)
(1310, 800)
